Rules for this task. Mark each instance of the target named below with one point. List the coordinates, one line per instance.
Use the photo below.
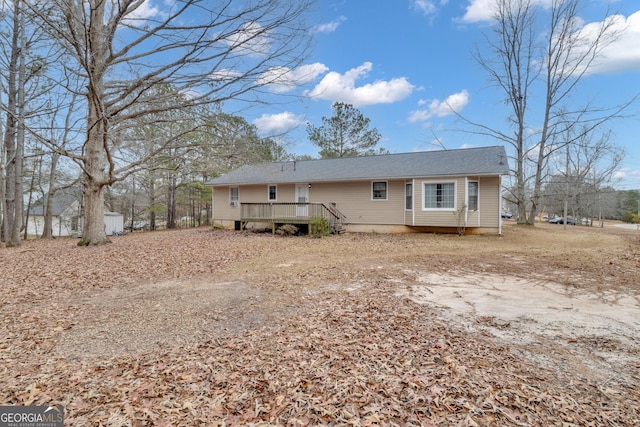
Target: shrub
(287, 230)
(319, 227)
(631, 217)
(461, 219)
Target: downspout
(478, 210)
(466, 201)
(213, 207)
(413, 202)
(500, 205)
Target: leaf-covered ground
(203, 327)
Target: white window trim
(455, 194)
(386, 191)
(269, 194)
(413, 195)
(469, 181)
(237, 202)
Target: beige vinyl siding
(408, 217)
(221, 208)
(353, 199)
(437, 217)
(490, 194)
(248, 194)
(487, 214)
(408, 213)
(474, 216)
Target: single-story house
(408, 192)
(67, 215)
(66, 212)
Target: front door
(302, 196)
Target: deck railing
(291, 213)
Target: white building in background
(67, 215)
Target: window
(408, 196)
(379, 190)
(234, 196)
(472, 196)
(272, 193)
(439, 195)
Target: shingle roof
(469, 161)
(61, 201)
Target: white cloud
(624, 53)
(627, 174)
(337, 87)
(283, 79)
(479, 10)
(484, 10)
(224, 75)
(143, 11)
(146, 10)
(454, 103)
(427, 7)
(251, 39)
(276, 124)
(329, 27)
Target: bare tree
(587, 168)
(208, 52)
(26, 54)
(13, 138)
(521, 67)
(61, 140)
(222, 142)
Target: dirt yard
(200, 327)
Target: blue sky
(404, 63)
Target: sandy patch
(596, 330)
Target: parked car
(139, 225)
(506, 215)
(560, 220)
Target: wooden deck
(291, 213)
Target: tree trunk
(171, 201)
(152, 204)
(19, 199)
(4, 224)
(10, 181)
(521, 198)
(93, 232)
(10, 137)
(47, 232)
(31, 190)
(96, 144)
